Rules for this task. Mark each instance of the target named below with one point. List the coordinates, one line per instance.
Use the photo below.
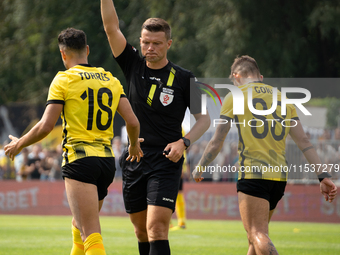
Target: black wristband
(323, 176)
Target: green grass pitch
(34, 235)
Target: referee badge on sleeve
(166, 97)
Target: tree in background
(288, 38)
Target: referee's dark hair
(157, 25)
(72, 39)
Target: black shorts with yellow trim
(152, 181)
(270, 190)
(99, 171)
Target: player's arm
(211, 151)
(110, 19)
(132, 128)
(38, 132)
(201, 125)
(327, 187)
(177, 148)
(300, 138)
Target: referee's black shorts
(99, 171)
(152, 181)
(272, 191)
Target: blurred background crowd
(39, 162)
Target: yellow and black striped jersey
(90, 96)
(262, 138)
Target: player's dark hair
(157, 25)
(245, 66)
(72, 39)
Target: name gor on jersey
(94, 76)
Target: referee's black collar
(88, 65)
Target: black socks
(144, 248)
(160, 247)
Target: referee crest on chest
(166, 96)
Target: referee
(159, 92)
(87, 98)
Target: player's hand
(328, 189)
(175, 149)
(197, 174)
(12, 149)
(135, 151)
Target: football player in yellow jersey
(87, 98)
(260, 145)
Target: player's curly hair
(244, 66)
(157, 25)
(72, 39)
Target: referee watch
(186, 142)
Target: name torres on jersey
(94, 76)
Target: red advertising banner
(219, 201)
(203, 201)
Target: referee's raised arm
(110, 19)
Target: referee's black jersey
(159, 97)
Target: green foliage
(318, 102)
(30, 52)
(288, 38)
(333, 112)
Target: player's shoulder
(61, 76)
(129, 52)
(108, 74)
(132, 48)
(255, 84)
(268, 88)
(181, 70)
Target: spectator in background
(2, 154)
(20, 163)
(193, 155)
(34, 168)
(326, 135)
(337, 133)
(57, 157)
(124, 136)
(231, 159)
(7, 170)
(46, 164)
(36, 151)
(118, 149)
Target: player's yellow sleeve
(293, 112)
(58, 88)
(227, 107)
